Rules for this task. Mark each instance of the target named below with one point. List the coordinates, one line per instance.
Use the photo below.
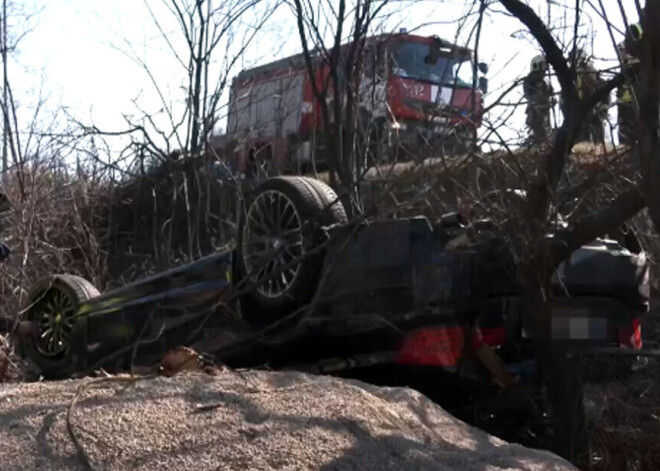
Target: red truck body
(417, 89)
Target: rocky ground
(249, 420)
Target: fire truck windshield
(408, 61)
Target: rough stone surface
(254, 420)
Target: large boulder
(246, 420)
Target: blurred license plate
(579, 328)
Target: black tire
(315, 205)
(334, 210)
(57, 363)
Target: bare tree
(16, 22)
(576, 197)
(547, 189)
(167, 141)
(339, 67)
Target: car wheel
(278, 230)
(52, 309)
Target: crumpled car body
(398, 292)
(393, 295)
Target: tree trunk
(649, 103)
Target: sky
(81, 53)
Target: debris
(185, 359)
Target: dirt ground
(251, 420)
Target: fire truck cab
(421, 96)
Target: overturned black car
(306, 289)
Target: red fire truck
(420, 95)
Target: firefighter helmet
(635, 32)
(633, 38)
(539, 63)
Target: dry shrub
(110, 233)
(12, 367)
(52, 226)
(594, 176)
(177, 211)
(172, 213)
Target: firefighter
(630, 66)
(633, 40)
(588, 81)
(538, 93)
(625, 96)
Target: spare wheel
(278, 230)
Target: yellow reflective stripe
(626, 97)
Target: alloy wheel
(54, 316)
(272, 243)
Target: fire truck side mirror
(483, 67)
(434, 52)
(483, 85)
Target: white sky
(72, 52)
